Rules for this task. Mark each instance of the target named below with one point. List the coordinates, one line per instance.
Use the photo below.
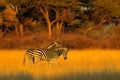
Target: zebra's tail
(24, 59)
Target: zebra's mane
(60, 51)
(52, 45)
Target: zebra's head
(62, 51)
(65, 52)
(54, 45)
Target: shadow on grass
(18, 76)
(88, 76)
(70, 76)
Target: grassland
(80, 65)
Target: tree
(58, 8)
(99, 14)
(26, 13)
(103, 11)
(8, 17)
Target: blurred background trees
(57, 17)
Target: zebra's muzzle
(65, 58)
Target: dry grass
(81, 64)
(70, 39)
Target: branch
(98, 25)
(57, 16)
(42, 11)
(60, 17)
(65, 12)
(70, 4)
(103, 18)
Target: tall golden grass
(79, 62)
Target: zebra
(31, 53)
(45, 55)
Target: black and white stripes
(54, 51)
(34, 54)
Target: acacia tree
(8, 17)
(58, 8)
(63, 12)
(103, 11)
(54, 12)
(23, 20)
(100, 13)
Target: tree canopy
(67, 14)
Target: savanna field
(84, 64)
(89, 30)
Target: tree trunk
(21, 30)
(16, 30)
(85, 36)
(57, 26)
(49, 30)
(49, 23)
(59, 29)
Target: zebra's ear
(55, 42)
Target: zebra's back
(30, 52)
(45, 54)
(41, 54)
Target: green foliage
(17, 2)
(60, 3)
(112, 7)
(75, 22)
(3, 2)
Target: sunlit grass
(81, 64)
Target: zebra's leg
(56, 62)
(24, 59)
(49, 65)
(30, 59)
(33, 60)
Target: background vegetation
(74, 23)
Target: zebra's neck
(60, 51)
(51, 46)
